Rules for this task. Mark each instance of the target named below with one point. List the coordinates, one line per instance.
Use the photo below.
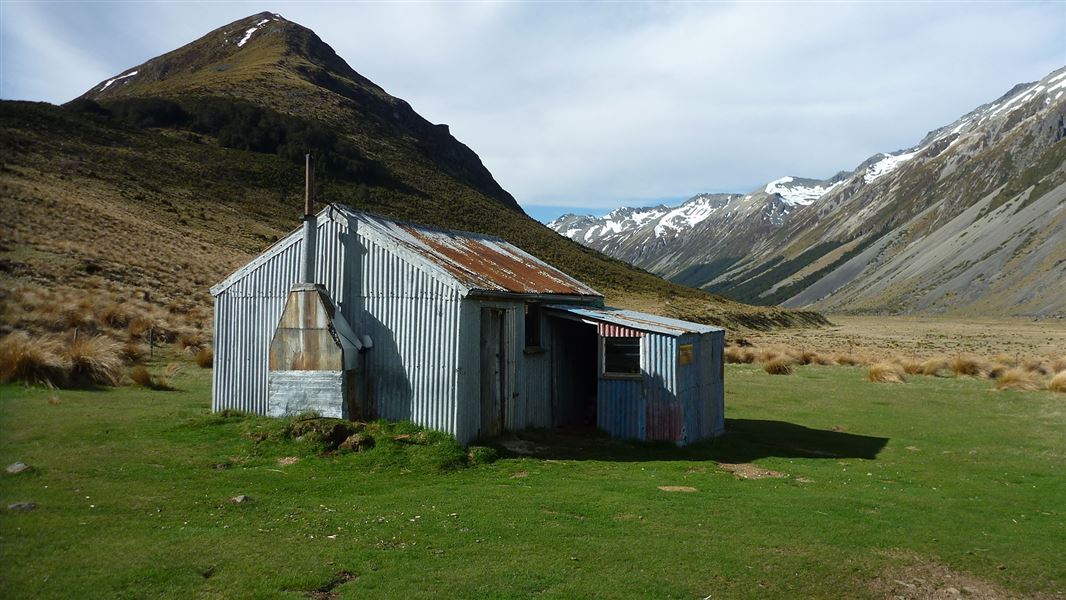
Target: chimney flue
(309, 186)
(307, 265)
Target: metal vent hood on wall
(314, 356)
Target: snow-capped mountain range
(905, 231)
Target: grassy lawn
(887, 486)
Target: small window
(532, 326)
(621, 356)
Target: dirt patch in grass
(326, 590)
(932, 580)
(677, 488)
(750, 471)
(286, 461)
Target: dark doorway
(575, 371)
(493, 371)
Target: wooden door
(493, 370)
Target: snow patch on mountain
(798, 194)
(248, 34)
(110, 81)
(886, 165)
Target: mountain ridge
(168, 175)
(1002, 148)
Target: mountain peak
(267, 60)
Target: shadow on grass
(746, 440)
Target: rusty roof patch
(492, 264)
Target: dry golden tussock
(968, 366)
(139, 375)
(192, 342)
(205, 357)
(778, 366)
(848, 359)
(766, 355)
(807, 357)
(936, 367)
(739, 356)
(1058, 383)
(911, 366)
(886, 372)
(95, 360)
(41, 360)
(1059, 364)
(1007, 360)
(1036, 365)
(1018, 379)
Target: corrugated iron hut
(460, 332)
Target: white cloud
(588, 104)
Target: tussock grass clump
(936, 367)
(885, 372)
(1059, 364)
(1019, 379)
(807, 357)
(849, 360)
(767, 355)
(139, 375)
(968, 366)
(778, 366)
(739, 356)
(41, 360)
(1036, 365)
(95, 360)
(911, 366)
(135, 352)
(192, 342)
(205, 358)
(1058, 383)
(1007, 360)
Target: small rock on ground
(23, 506)
(241, 499)
(17, 467)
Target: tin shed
(460, 332)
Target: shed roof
(632, 319)
(474, 262)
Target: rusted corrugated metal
(477, 262)
(612, 330)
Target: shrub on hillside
(885, 372)
(39, 360)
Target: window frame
(532, 311)
(605, 374)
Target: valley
(968, 222)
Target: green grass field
(890, 489)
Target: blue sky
(584, 107)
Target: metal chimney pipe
(307, 262)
